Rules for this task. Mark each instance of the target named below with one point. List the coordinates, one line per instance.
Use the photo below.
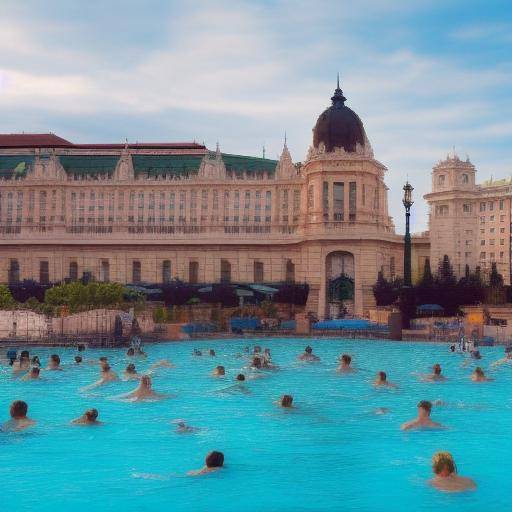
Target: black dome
(338, 126)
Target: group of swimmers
(443, 465)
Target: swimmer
(214, 461)
(452, 348)
(183, 428)
(445, 475)
(220, 371)
(256, 363)
(382, 380)
(23, 364)
(436, 374)
(344, 366)
(238, 387)
(32, 374)
(89, 417)
(81, 347)
(475, 354)
(256, 349)
(130, 373)
(423, 420)
(381, 410)
(54, 363)
(163, 363)
(479, 376)
(240, 377)
(143, 391)
(36, 361)
(212, 352)
(308, 355)
(106, 375)
(197, 352)
(130, 352)
(139, 352)
(19, 420)
(78, 359)
(286, 401)
(504, 360)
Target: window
(491, 206)
(352, 197)
(14, 271)
(325, 199)
(482, 207)
(442, 210)
(482, 242)
(482, 255)
(502, 204)
(166, 272)
(44, 272)
(136, 272)
(258, 272)
(440, 179)
(225, 271)
(466, 208)
(502, 218)
(105, 271)
(392, 267)
(73, 271)
(502, 230)
(311, 196)
(465, 178)
(193, 272)
(290, 271)
(502, 241)
(338, 200)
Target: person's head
(256, 362)
(424, 408)
(214, 460)
(35, 361)
(346, 359)
(436, 369)
(381, 376)
(81, 348)
(212, 352)
(308, 350)
(130, 352)
(240, 377)
(476, 354)
(478, 372)
(24, 356)
(286, 401)
(78, 359)
(130, 368)
(91, 415)
(103, 359)
(452, 348)
(35, 371)
(145, 381)
(55, 359)
(443, 464)
(257, 349)
(18, 409)
(267, 351)
(220, 370)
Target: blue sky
(424, 76)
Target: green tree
(6, 300)
(425, 290)
(495, 292)
(386, 292)
(446, 287)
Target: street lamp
(407, 202)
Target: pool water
(330, 453)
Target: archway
(340, 275)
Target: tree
(425, 290)
(470, 287)
(495, 292)
(386, 292)
(6, 300)
(446, 287)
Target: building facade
(469, 222)
(138, 213)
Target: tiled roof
(32, 140)
(249, 164)
(89, 164)
(155, 165)
(16, 165)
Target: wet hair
(308, 350)
(55, 358)
(257, 349)
(24, 355)
(437, 369)
(214, 460)
(78, 359)
(212, 352)
(382, 376)
(35, 360)
(130, 368)
(426, 405)
(35, 370)
(220, 370)
(240, 377)
(476, 354)
(452, 348)
(103, 359)
(81, 347)
(130, 352)
(91, 414)
(286, 400)
(19, 409)
(441, 461)
(346, 358)
(479, 371)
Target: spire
(338, 100)
(285, 139)
(263, 150)
(217, 151)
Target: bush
(6, 299)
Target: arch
(340, 284)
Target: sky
(426, 77)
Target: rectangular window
(136, 272)
(105, 271)
(352, 201)
(311, 196)
(225, 271)
(193, 272)
(502, 204)
(339, 200)
(73, 271)
(482, 207)
(466, 208)
(258, 272)
(166, 272)
(325, 199)
(44, 272)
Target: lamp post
(407, 202)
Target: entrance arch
(340, 284)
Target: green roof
(155, 165)
(15, 165)
(250, 164)
(89, 164)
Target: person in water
(212, 352)
(89, 417)
(344, 366)
(478, 375)
(214, 461)
(220, 371)
(240, 377)
(445, 475)
(504, 360)
(19, 419)
(143, 391)
(106, 375)
(308, 355)
(197, 352)
(436, 374)
(32, 374)
(183, 428)
(54, 363)
(23, 364)
(423, 420)
(382, 381)
(163, 363)
(78, 359)
(130, 352)
(286, 401)
(452, 348)
(130, 373)
(36, 361)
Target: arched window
(136, 272)
(465, 178)
(73, 270)
(440, 179)
(166, 272)
(193, 272)
(225, 271)
(14, 272)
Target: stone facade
(152, 212)
(469, 222)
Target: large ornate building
(153, 212)
(469, 222)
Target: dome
(339, 126)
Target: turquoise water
(331, 453)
